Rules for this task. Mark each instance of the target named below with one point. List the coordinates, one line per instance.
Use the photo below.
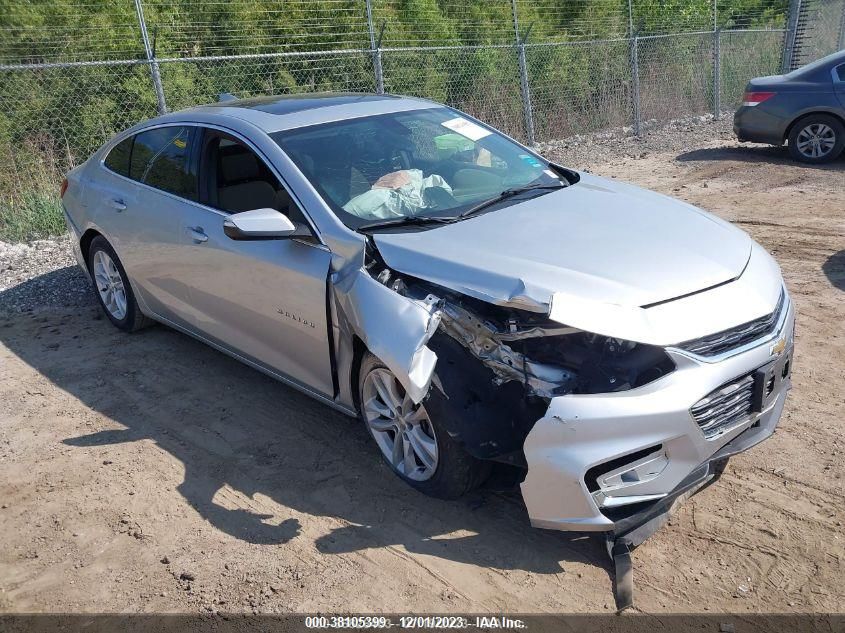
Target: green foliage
(52, 118)
(30, 217)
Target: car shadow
(243, 437)
(755, 154)
(834, 269)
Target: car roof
(282, 112)
(286, 104)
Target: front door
(262, 299)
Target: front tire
(816, 139)
(415, 445)
(112, 288)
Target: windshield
(431, 163)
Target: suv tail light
(756, 98)
(63, 189)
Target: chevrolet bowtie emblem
(777, 348)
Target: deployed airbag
(396, 195)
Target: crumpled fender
(394, 328)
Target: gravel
(44, 273)
(676, 136)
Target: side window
(236, 179)
(840, 72)
(118, 158)
(161, 159)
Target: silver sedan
(475, 305)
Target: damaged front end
(497, 368)
(600, 430)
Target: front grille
(727, 340)
(725, 407)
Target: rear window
(824, 63)
(118, 158)
(160, 158)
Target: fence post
(635, 82)
(841, 44)
(375, 49)
(789, 37)
(527, 109)
(524, 86)
(148, 49)
(717, 73)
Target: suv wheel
(111, 285)
(415, 445)
(817, 138)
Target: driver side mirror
(259, 224)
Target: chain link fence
(744, 55)
(579, 87)
(817, 29)
(537, 69)
(188, 82)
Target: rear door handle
(118, 205)
(197, 234)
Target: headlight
(602, 364)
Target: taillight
(63, 189)
(756, 98)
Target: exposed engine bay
(498, 367)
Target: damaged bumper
(611, 462)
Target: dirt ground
(149, 473)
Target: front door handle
(118, 205)
(197, 234)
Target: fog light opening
(608, 481)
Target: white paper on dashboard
(468, 129)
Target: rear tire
(816, 139)
(449, 471)
(112, 288)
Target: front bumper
(581, 434)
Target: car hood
(602, 241)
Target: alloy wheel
(816, 140)
(401, 428)
(110, 285)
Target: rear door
(163, 164)
(149, 179)
(264, 299)
(111, 194)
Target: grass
(30, 216)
